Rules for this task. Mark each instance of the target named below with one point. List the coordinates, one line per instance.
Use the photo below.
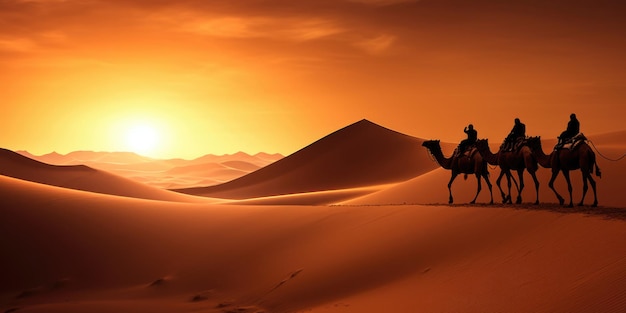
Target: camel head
(432, 145)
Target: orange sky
(270, 75)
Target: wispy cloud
(382, 2)
(42, 1)
(31, 42)
(17, 44)
(376, 45)
(233, 27)
(280, 28)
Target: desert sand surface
(74, 251)
(353, 243)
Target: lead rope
(606, 158)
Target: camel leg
(478, 189)
(534, 176)
(520, 174)
(593, 186)
(555, 172)
(569, 187)
(586, 175)
(592, 181)
(508, 184)
(504, 197)
(454, 175)
(486, 176)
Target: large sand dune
(72, 251)
(81, 177)
(361, 154)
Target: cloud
(310, 29)
(234, 27)
(17, 44)
(376, 45)
(42, 1)
(280, 28)
(32, 42)
(381, 2)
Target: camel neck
(490, 157)
(442, 160)
(542, 158)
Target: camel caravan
(519, 153)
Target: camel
(565, 160)
(511, 160)
(474, 164)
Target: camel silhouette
(474, 164)
(519, 160)
(565, 160)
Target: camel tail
(464, 176)
(595, 163)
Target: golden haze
(225, 76)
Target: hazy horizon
(173, 156)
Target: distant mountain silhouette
(269, 157)
(108, 157)
(260, 159)
(79, 177)
(361, 154)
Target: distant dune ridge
(358, 155)
(164, 173)
(80, 177)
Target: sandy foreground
(75, 251)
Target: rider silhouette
(518, 131)
(573, 128)
(472, 137)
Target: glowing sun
(142, 139)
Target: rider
(573, 128)
(518, 131)
(472, 137)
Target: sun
(142, 139)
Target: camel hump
(468, 152)
(572, 143)
(472, 151)
(513, 145)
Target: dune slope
(358, 155)
(80, 177)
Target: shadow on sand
(600, 211)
